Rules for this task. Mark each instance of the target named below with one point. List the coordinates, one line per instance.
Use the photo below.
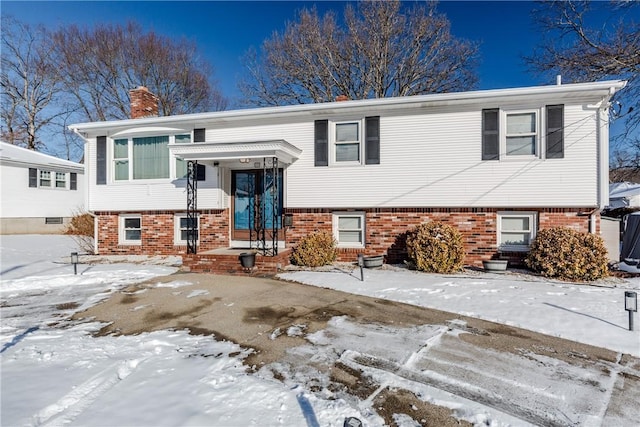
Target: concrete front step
(228, 262)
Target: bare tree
(381, 50)
(29, 84)
(100, 65)
(588, 41)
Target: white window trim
(122, 240)
(172, 158)
(65, 180)
(533, 223)
(336, 215)
(503, 133)
(333, 143)
(177, 234)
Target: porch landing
(227, 261)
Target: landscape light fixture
(361, 265)
(631, 305)
(74, 261)
(352, 422)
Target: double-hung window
(347, 142)
(182, 225)
(121, 159)
(61, 180)
(348, 229)
(516, 230)
(181, 164)
(130, 229)
(521, 134)
(45, 179)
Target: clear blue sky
(224, 30)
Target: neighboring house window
(130, 230)
(181, 164)
(181, 225)
(516, 230)
(521, 134)
(61, 180)
(347, 142)
(121, 159)
(45, 179)
(348, 229)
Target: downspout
(86, 194)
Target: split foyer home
(497, 164)
(40, 193)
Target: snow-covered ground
(54, 372)
(591, 314)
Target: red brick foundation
(158, 233)
(385, 230)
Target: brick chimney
(143, 103)
(342, 98)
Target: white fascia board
(281, 149)
(593, 89)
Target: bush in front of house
(81, 230)
(315, 249)
(435, 247)
(566, 254)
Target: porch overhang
(221, 151)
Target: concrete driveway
(476, 360)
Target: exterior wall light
(631, 305)
(74, 261)
(244, 160)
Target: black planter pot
(248, 259)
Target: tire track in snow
(67, 408)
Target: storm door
(257, 204)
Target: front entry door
(257, 206)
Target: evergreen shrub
(315, 249)
(435, 247)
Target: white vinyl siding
(432, 158)
(130, 229)
(348, 229)
(516, 230)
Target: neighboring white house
(40, 193)
(624, 195)
(497, 164)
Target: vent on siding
(53, 220)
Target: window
(61, 180)
(121, 159)
(130, 230)
(181, 164)
(533, 133)
(516, 230)
(347, 142)
(181, 223)
(45, 179)
(348, 229)
(151, 157)
(521, 134)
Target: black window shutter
(33, 177)
(199, 135)
(372, 141)
(73, 181)
(200, 173)
(490, 134)
(101, 160)
(321, 145)
(555, 131)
